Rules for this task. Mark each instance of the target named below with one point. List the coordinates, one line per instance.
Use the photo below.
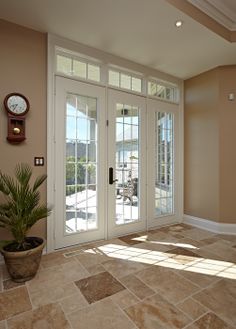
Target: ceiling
(138, 30)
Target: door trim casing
(54, 41)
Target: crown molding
(218, 11)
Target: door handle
(111, 180)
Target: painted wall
(210, 153)
(227, 81)
(201, 146)
(23, 69)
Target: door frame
(64, 86)
(155, 106)
(54, 42)
(115, 97)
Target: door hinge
(107, 123)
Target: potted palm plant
(19, 211)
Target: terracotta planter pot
(23, 265)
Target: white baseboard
(209, 225)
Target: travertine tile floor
(171, 277)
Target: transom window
(162, 91)
(88, 69)
(78, 68)
(125, 81)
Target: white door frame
(63, 87)
(115, 97)
(104, 58)
(154, 106)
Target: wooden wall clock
(17, 106)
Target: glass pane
(81, 166)
(82, 126)
(71, 104)
(93, 72)
(92, 148)
(70, 127)
(152, 88)
(81, 151)
(127, 166)
(114, 78)
(79, 69)
(64, 64)
(164, 164)
(136, 84)
(125, 81)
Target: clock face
(16, 104)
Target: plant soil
(29, 243)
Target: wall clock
(17, 106)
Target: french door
(80, 162)
(127, 163)
(164, 185)
(116, 163)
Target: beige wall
(23, 70)
(227, 80)
(210, 152)
(201, 168)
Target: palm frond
(39, 181)
(21, 208)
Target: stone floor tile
(167, 283)
(3, 325)
(99, 286)
(104, 314)
(155, 312)
(73, 303)
(13, 302)
(209, 321)
(9, 284)
(198, 234)
(221, 299)
(91, 257)
(131, 239)
(137, 287)
(119, 268)
(192, 308)
(50, 294)
(45, 317)
(124, 299)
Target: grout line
(193, 321)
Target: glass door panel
(127, 163)
(126, 196)
(80, 162)
(164, 140)
(163, 199)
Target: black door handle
(111, 180)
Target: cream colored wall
(210, 152)
(23, 69)
(201, 146)
(227, 79)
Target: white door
(164, 194)
(80, 162)
(126, 163)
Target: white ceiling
(141, 31)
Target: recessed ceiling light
(178, 23)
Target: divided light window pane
(79, 69)
(64, 64)
(93, 72)
(136, 84)
(161, 91)
(125, 81)
(114, 78)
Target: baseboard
(209, 225)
